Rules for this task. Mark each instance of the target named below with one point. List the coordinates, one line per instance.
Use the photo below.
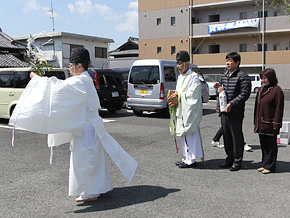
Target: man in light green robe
(187, 114)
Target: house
(125, 55)
(209, 29)
(11, 52)
(57, 47)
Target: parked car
(110, 87)
(149, 82)
(212, 87)
(256, 82)
(12, 83)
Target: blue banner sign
(233, 25)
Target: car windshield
(144, 75)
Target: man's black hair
(80, 56)
(235, 56)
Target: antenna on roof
(52, 16)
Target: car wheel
(164, 112)
(111, 110)
(11, 110)
(137, 113)
(256, 90)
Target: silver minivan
(149, 81)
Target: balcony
(248, 58)
(273, 24)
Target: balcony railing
(273, 24)
(247, 58)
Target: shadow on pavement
(209, 111)
(213, 164)
(125, 196)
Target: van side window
(145, 75)
(6, 81)
(169, 74)
(21, 79)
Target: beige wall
(148, 48)
(201, 2)
(151, 5)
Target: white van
(149, 81)
(256, 82)
(12, 83)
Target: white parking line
(11, 127)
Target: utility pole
(52, 16)
(263, 37)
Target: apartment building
(209, 29)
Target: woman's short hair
(270, 74)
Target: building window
(260, 47)
(214, 49)
(214, 18)
(172, 21)
(243, 47)
(173, 50)
(158, 21)
(276, 13)
(101, 52)
(158, 50)
(260, 14)
(73, 47)
(193, 20)
(243, 15)
(276, 47)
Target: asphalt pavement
(30, 187)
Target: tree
(284, 4)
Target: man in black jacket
(237, 86)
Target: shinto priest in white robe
(67, 110)
(186, 116)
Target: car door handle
(11, 94)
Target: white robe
(68, 111)
(188, 115)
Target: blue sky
(115, 19)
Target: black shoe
(226, 165)
(178, 163)
(184, 165)
(235, 167)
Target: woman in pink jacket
(268, 114)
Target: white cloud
(131, 22)
(87, 9)
(31, 5)
(82, 7)
(106, 12)
(133, 5)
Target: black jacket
(238, 89)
